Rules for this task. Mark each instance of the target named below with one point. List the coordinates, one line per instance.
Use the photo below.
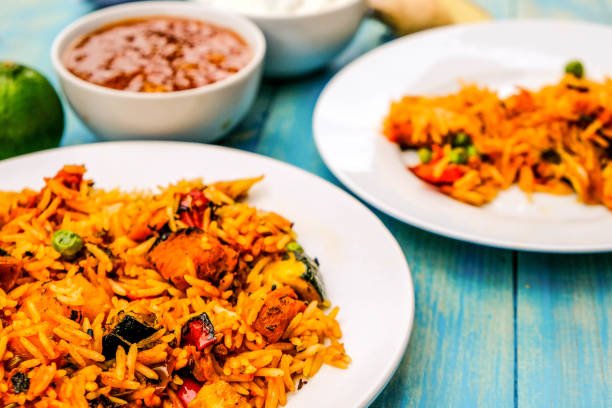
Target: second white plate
(501, 55)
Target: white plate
(501, 55)
(363, 267)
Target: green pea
(472, 151)
(461, 139)
(425, 155)
(294, 247)
(67, 243)
(575, 68)
(458, 155)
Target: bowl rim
(338, 6)
(148, 9)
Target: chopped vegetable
(128, 331)
(461, 139)
(575, 68)
(472, 151)
(102, 402)
(21, 383)
(67, 243)
(551, 156)
(425, 155)
(450, 174)
(188, 391)
(458, 155)
(293, 247)
(191, 208)
(306, 280)
(199, 332)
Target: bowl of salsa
(160, 70)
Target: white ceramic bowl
(201, 114)
(301, 43)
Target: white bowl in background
(202, 114)
(299, 43)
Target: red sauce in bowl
(157, 54)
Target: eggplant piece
(302, 274)
(128, 331)
(102, 402)
(21, 383)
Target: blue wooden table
(493, 328)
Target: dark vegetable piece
(128, 331)
(310, 285)
(584, 121)
(4, 253)
(21, 383)
(460, 139)
(575, 68)
(551, 156)
(188, 391)
(67, 243)
(199, 332)
(102, 402)
(458, 155)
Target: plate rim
(400, 215)
(392, 366)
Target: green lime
(31, 114)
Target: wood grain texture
(461, 350)
(564, 330)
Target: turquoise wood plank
(564, 303)
(287, 134)
(461, 352)
(564, 330)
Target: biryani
(473, 144)
(182, 297)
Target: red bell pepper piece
(450, 174)
(188, 391)
(199, 332)
(191, 208)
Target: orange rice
(54, 317)
(554, 140)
